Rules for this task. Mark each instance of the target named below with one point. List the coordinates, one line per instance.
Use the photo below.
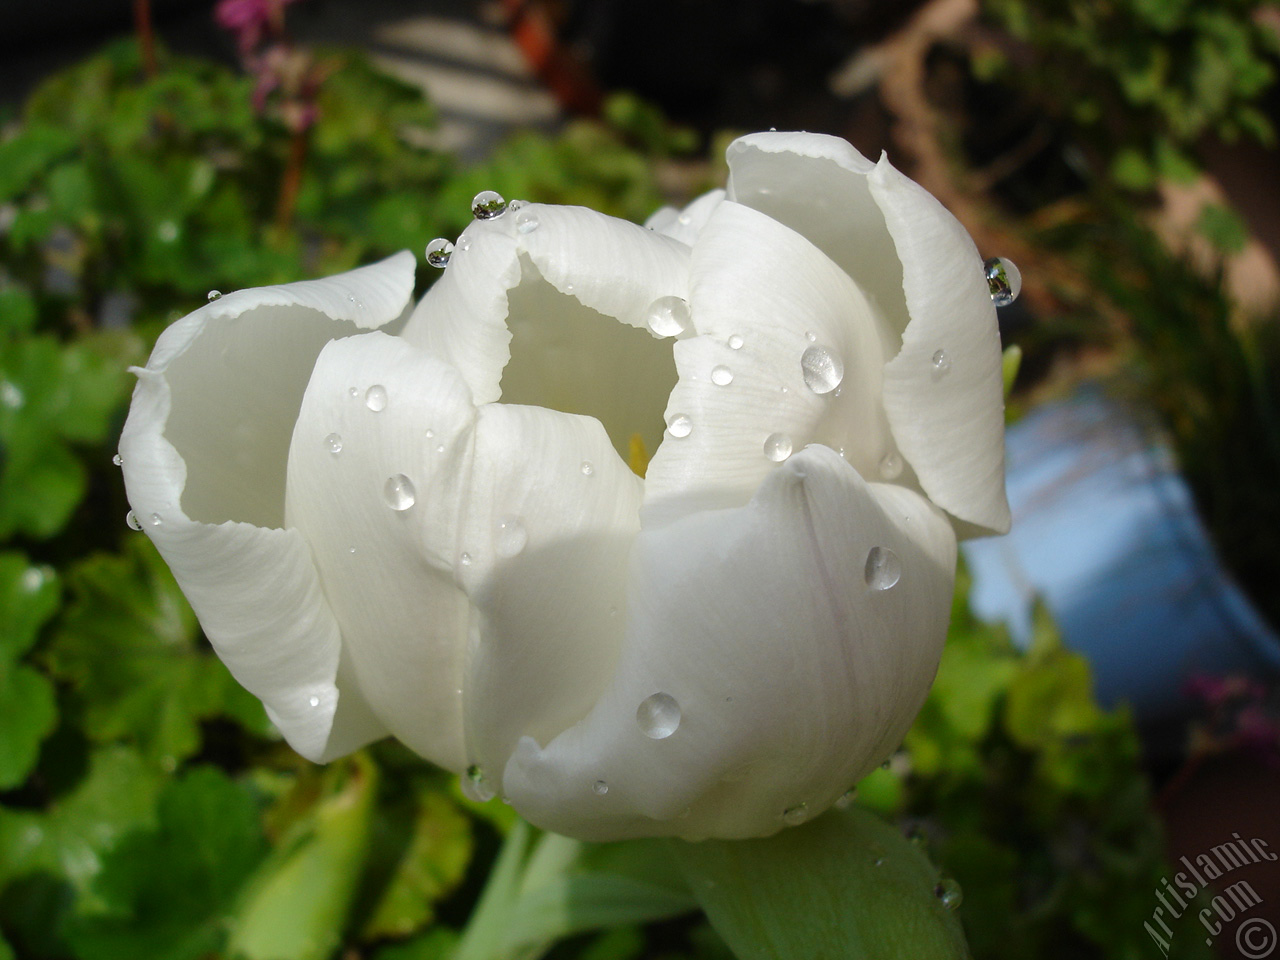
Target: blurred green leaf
(438, 943)
(24, 156)
(17, 311)
(1223, 227)
(129, 645)
(166, 892)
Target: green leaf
(28, 598)
(166, 892)
(25, 156)
(129, 645)
(1223, 227)
(297, 905)
(17, 310)
(842, 887)
(70, 839)
(28, 714)
(436, 944)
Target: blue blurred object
(1106, 532)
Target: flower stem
(146, 35)
(291, 181)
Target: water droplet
(511, 537)
(721, 376)
(777, 447)
(464, 243)
(155, 520)
(846, 799)
(793, 816)
(526, 221)
(515, 205)
(439, 448)
(131, 521)
(1004, 280)
(398, 492)
(587, 468)
(430, 434)
(915, 834)
(314, 701)
(32, 579)
(10, 395)
(214, 295)
(439, 251)
(334, 443)
(884, 764)
(878, 862)
(658, 716)
(375, 398)
(890, 466)
(735, 342)
(680, 426)
(948, 892)
(822, 369)
(883, 568)
(351, 550)
(810, 336)
(465, 559)
(941, 364)
(487, 205)
(668, 317)
(475, 786)
(599, 788)
(353, 393)
(118, 460)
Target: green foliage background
(147, 807)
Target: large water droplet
(375, 398)
(890, 466)
(721, 375)
(488, 204)
(526, 221)
(822, 370)
(475, 786)
(1004, 280)
(680, 426)
(398, 492)
(511, 537)
(940, 364)
(439, 251)
(658, 716)
(600, 788)
(948, 893)
(883, 568)
(777, 447)
(735, 342)
(131, 520)
(333, 443)
(118, 460)
(794, 816)
(668, 317)
(214, 295)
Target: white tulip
(375, 544)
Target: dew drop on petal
(314, 701)
(515, 205)
(587, 468)
(155, 520)
(465, 559)
(721, 375)
(822, 370)
(890, 466)
(439, 448)
(668, 317)
(526, 221)
(777, 447)
(940, 364)
(1004, 280)
(118, 460)
(131, 521)
(658, 716)
(810, 336)
(846, 799)
(333, 443)
(399, 493)
(439, 251)
(353, 393)
(794, 816)
(600, 788)
(214, 295)
(375, 398)
(883, 568)
(475, 786)
(735, 342)
(511, 538)
(948, 893)
(487, 205)
(680, 426)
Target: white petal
(762, 298)
(204, 452)
(943, 392)
(685, 225)
(391, 411)
(792, 675)
(611, 266)
(553, 513)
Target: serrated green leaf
(166, 892)
(843, 887)
(70, 838)
(129, 645)
(297, 905)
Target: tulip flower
(422, 522)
